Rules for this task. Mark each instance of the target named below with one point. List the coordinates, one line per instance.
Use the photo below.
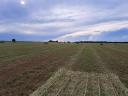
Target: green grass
(17, 50)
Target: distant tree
(2, 41)
(53, 41)
(13, 40)
(68, 42)
(57, 41)
(50, 41)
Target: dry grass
(71, 83)
(94, 69)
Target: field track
(70, 83)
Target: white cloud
(33, 28)
(96, 29)
(64, 12)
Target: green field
(26, 66)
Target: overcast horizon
(64, 20)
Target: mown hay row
(70, 83)
(121, 89)
(41, 90)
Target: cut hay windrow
(121, 89)
(74, 83)
(43, 89)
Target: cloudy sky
(64, 20)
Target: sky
(64, 20)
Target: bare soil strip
(75, 83)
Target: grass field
(24, 67)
